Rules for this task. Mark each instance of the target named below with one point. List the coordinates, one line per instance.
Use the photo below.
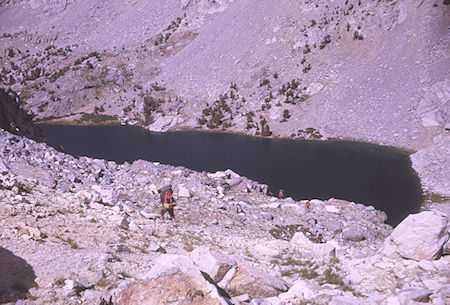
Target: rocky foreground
(86, 231)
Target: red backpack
(168, 198)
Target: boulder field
(76, 230)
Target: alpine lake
(354, 171)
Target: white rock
(117, 219)
(313, 88)
(426, 265)
(105, 194)
(91, 294)
(77, 284)
(355, 277)
(418, 237)
(214, 263)
(343, 300)
(149, 215)
(183, 192)
(232, 174)
(133, 226)
(432, 284)
(316, 202)
(414, 294)
(34, 232)
(177, 172)
(302, 244)
(276, 113)
(272, 301)
(265, 251)
(300, 290)
(228, 277)
(439, 301)
(240, 298)
(161, 123)
(392, 300)
(153, 188)
(274, 205)
(171, 264)
(332, 209)
(96, 206)
(217, 175)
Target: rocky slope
(79, 230)
(86, 231)
(369, 70)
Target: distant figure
(281, 193)
(167, 200)
(320, 238)
(307, 204)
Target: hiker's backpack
(162, 191)
(168, 198)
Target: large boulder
(183, 191)
(298, 292)
(214, 263)
(176, 288)
(414, 294)
(173, 279)
(267, 250)
(246, 279)
(302, 244)
(418, 237)
(105, 194)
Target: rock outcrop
(15, 120)
(173, 279)
(418, 237)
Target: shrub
(151, 105)
(326, 40)
(83, 58)
(216, 118)
(11, 52)
(357, 36)
(250, 116)
(307, 68)
(158, 87)
(264, 82)
(265, 130)
(58, 74)
(307, 49)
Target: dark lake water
(354, 171)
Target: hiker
(307, 204)
(281, 194)
(320, 238)
(167, 200)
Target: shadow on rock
(16, 277)
(15, 120)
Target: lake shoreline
(350, 170)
